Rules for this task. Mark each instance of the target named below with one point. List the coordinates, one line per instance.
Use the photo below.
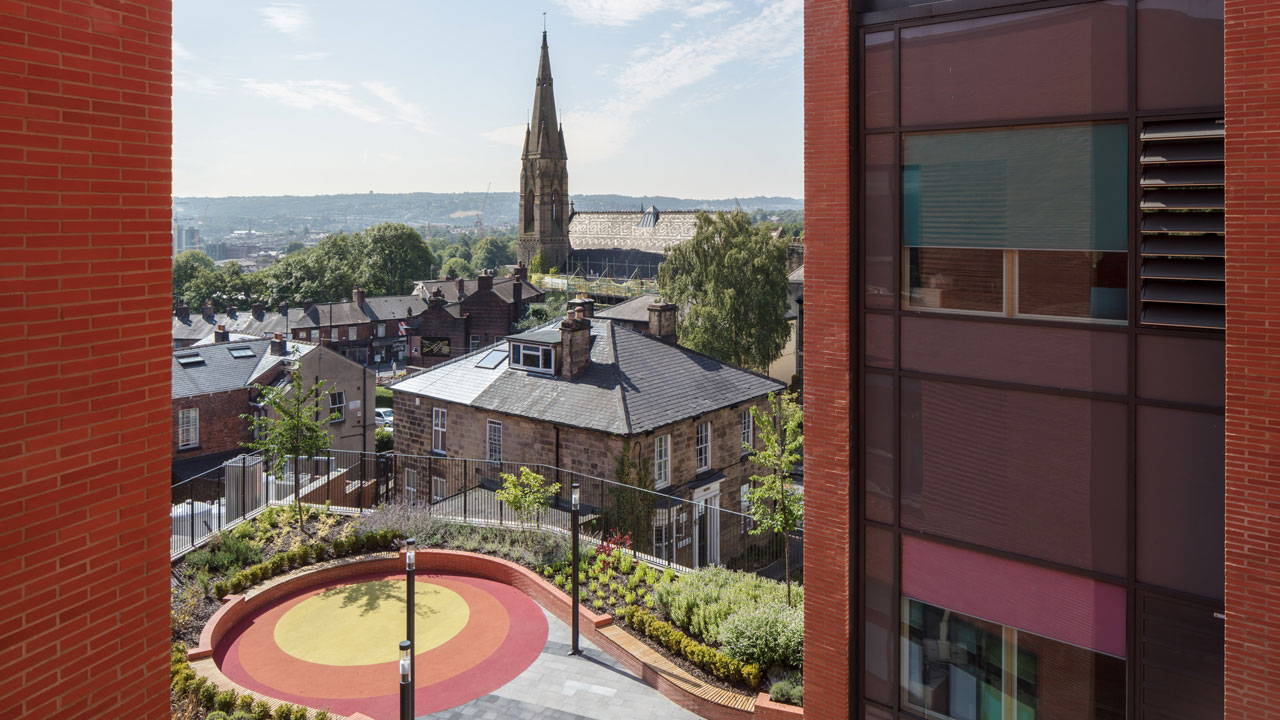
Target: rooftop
(221, 367)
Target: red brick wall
(828, 539)
(1252, 72)
(221, 427)
(85, 145)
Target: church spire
(544, 177)
(544, 126)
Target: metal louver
(1182, 227)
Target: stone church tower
(544, 177)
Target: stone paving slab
(591, 686)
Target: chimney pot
(278, 345)
(584, 304)
(221, 334)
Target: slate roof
(449, 288)
(221, 372)
(232, 337)
(634, 310)
(194, 325)
(633, 384)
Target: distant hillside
(329, 213)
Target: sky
(687, 98)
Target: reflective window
(880, 343)
(881, 446)
(877, 65)
(1179, 54)
(881, 200)
(880, 632)
(1059, 62)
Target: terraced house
(573, 395)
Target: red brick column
(828, 536)
(85, 145)
(1252, 98)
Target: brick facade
(221, 427)
(85, 198)
(1252, 600)
(829, 547)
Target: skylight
(189, 360)
(492, 359)
(241, 352)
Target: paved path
(558, 687)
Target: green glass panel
(1038, 188)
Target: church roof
(648, 231)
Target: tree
(525, 494)
(395, 256)
(730, 282)
(186, 266)
(775, 504)
(292, 425)
(492, 252)
(294, 247)
(538, 263)
(223, 286)
(456, 267)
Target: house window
(338, 405)
(382, 329)
(437, 489)
(662, 461)
(748, 431)
(532, 357)
(351, 333)
(473, 344)
(704, 446)
(494, 454)
(188, 428)
(439, 424)
(1017, 221)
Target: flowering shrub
(767, 634)
(702, 600)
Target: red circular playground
(335, 645)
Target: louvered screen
(1182, 224)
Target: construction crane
(483, 205)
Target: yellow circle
(362, 624)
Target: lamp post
(409, 583)
(573, 523)
(406, 680)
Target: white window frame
(493, 441)
(351, 332)
(702, 449)
(437, 489)
(382, 329)
(473, 343)
(439, 428)
(748, 431)
(546, 357)
(339, 407)
(661, 461)
(188, 428)
(311, 335)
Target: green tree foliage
(455, 250)
(324, 273)
(526, 493)
(538, 264)
(456, 267)
(492, 252)
(384, 440)
(294, 247)
(394, 256)
(632, 510)
(730, 282)
(186, 266)
(224, 286)
(293, 425)
(775, 503)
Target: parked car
(382, 416)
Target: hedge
(707, 658)
(305, 555)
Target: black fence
(676, 528)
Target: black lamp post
(406, 680)
(409, 583)
(573, 523)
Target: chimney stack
(278, 345)
(284, 308)
(517, 299)
(521, 271)
(484, 281)
(357, 296)
(181, 311)
(257, 310)
(575, 344)
(231, 311)
(436, 299)
(207, 310)
(585, 304)
(460, 285)
(662, 322)
(221, 334)
(307, 305)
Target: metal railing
(665, 529)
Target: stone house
(213, 386)
(573, 394)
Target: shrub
(245, 704)
(339, 547)
(277, 564)
(767, 634)
(597, 603)
(383, 440)
(284, 711)
(216, 715)
(710, 660)
(323, 715)
(701, 600)
(182, 681)
(225, 701)
(196, 685)
(221, 589)
(261, 710)
(240, 715)
(789, 689)
(207, 694)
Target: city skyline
(657, 97)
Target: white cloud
(180, 53)
(187, 80)
(404, 111)
(619, 13)
(512, 135)
(288, 18)
(386, 106)
(656, 71)
(311, 56)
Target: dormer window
(535, 358)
